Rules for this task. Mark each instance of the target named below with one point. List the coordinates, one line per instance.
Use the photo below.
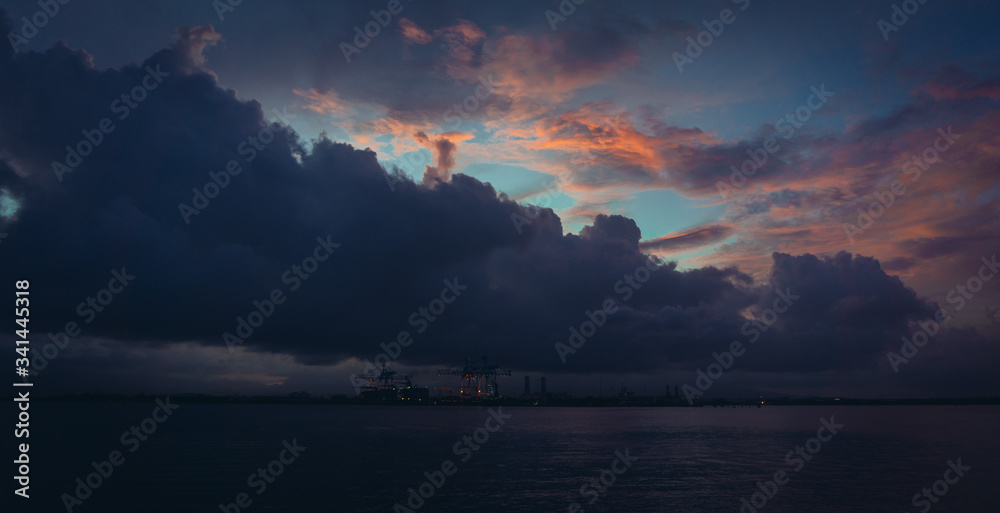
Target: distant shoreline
(584, 402)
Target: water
(363, 459)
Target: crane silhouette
(478, 381)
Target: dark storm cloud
(527, 287)
(848, 308)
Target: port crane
(477, 381)
(384, 384)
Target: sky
(817, 182)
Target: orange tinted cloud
(412, 33)
(443, 148)
(324, 103)
(946, 216)
(955, 84)
(548, 66)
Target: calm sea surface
(364, 459)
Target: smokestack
(677, 392)
(527, 385)
(541, 390)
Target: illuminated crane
(387, 385)
(478, 381)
